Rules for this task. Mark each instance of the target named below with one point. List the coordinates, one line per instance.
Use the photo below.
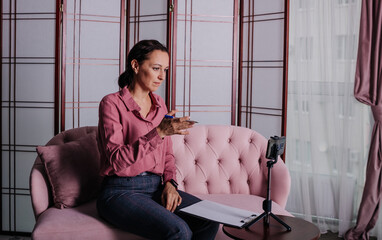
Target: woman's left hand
(171, 126)
(170, 197)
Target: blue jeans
(134, 205)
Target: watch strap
(174, 183)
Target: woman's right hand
(171, 126)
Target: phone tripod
(267, 203)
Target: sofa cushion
(80, 222)
(83, 222)
(73, 170)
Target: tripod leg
(247, 225)
(281, 222)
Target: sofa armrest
(39, 188)
(280, 183)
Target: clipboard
(220, 213)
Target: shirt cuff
(168, 177)
(153, 137)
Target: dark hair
(139, 52)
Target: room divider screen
(28, 57)
(263, 66)
(206, 60)
(92, 57)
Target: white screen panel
(268, 87)
(182, 8)
(34, 33)
(5, 205)
(212, 41)
(27, 102)
(97, 38)
(246, 41)
(5, 83)
(153, 30)
(6, 6)
(72, 43)
(29, 80)
(71, 77)
(148, 20)
(92, 58)
(89, 116)
(71, 116)
(6, 167)
(38, 6)
(101, 7)
(150, 7)
(223, 8)
(24, 214)
(24, 165)
(212, 118)
(266, 125)
(97, 81)
(204, 77)
(4, 126)
(266, 38)
(34, 126)
(7, 48)
(262, 72)
(211, 86)
(183, 40)
(269, 40)
(266, 6)
(181, 84)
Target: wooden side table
(301, 229)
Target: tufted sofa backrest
(211, 159)
(215, 159)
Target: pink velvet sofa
(225, 164)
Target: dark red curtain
(368, 90)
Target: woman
(139, 192)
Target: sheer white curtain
(328, 131)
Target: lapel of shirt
(133, 107)
(129, 102)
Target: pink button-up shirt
(129, 143)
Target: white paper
(220, 213)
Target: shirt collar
(132, 105)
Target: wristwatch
(174, 183)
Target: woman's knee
(179, 231)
